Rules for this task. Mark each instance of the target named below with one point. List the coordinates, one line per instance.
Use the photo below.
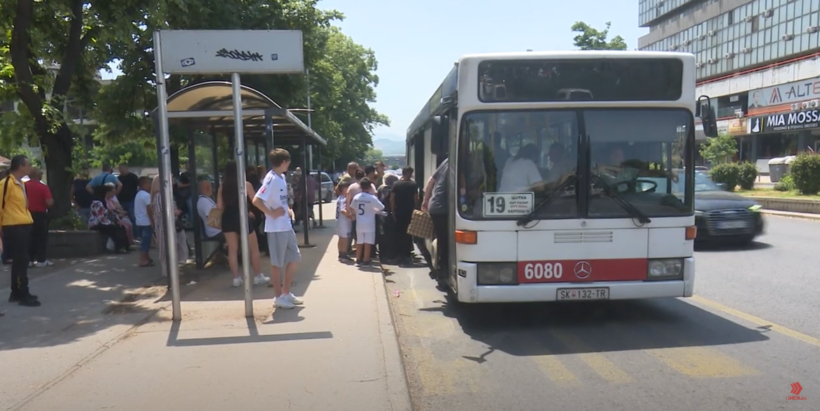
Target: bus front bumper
(470, 292)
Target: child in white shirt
(344, 223)
(365, 206)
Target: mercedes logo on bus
(583, 269)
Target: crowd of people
(373, 210)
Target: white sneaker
(43, 264)
(261, 279)
(237, 281)
(283, 302)
(294, 299)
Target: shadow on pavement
(572, 328)
(214, 283)
(252, 337)
(81, 298)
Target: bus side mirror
(707, 116)
(440, 133)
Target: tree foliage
(371, 156)
(719, 150)
(49, 63)
(589, 38)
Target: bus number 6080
(544, 271)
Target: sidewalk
(338, 352)
(790, 214)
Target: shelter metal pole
(319, 176)
(305, 176)
(193, 214)
(268, 139)
(309, 164)
(215, 159)
(239, 144)
(167, 194)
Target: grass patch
(770, 192)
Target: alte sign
(798, 120)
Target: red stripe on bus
(573, 271)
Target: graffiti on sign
(239, 55)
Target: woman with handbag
(106, 221)
(227, 200)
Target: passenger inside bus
(520, 173)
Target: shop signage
(797, 120)
(784, 94)
(737, 127)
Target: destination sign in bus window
(658, 79)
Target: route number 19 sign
(507, 204)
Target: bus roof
(447, 88)
(575, 54)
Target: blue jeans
(85, 214)
(144, 233)
(128, 206)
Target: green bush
(806, 173)
(728, 174)
(747, 175)
(785, 184)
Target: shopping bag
(215, 218)
(421, 225)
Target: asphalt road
(751, 331)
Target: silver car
(327, 187)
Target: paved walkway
(81, 352)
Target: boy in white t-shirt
(142, 220)
(272, 199)
(365, 206)
(344, 223)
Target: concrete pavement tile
(41, 345)
(337, 352)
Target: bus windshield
(509, 161)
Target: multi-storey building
(759, 61)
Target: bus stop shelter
(208, 107)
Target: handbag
(215, 218)
(421, 225)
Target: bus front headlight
(665, 269)
(497, 274)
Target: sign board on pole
(232, 51)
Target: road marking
(549, 363)
(687, 358)
(439, 377)
(605, 368)
(758, 321)
(702, 362)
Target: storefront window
(744, 148)
(777, 145)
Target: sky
(416, 42)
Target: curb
(804, 216)
(398, 386)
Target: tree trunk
(58, 148)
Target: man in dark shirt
(130, 187)
(404, 198)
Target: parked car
(327, 187)
(720, 216)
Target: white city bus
(571, 174)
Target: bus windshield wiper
(615, 196)
(547, 200)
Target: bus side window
(440, 138)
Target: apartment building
(759, 61)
